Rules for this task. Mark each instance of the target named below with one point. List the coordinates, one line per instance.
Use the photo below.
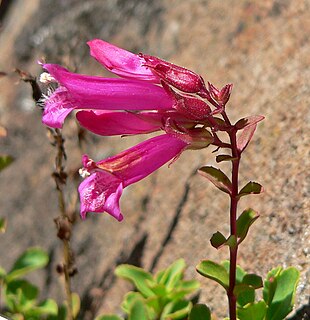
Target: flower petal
(141, 160)
(108, 123)
(56, 108)
(88, 92)
(120, 61)
(101, 192)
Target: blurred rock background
(260, 46)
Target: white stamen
(45, 77)
(84, 173)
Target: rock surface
(260, 46)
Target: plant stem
(232, 299)
(60, 177)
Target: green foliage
(244, 221)
(252, 311)
(251, 188)
(217, 177)
(5, 161)
(108, 317)
(200, 312)
(217, 240)
(3, 224)
(224, 157)
(214, 271)
(161, 296)
(31, 259)
(279, 292)
(20, 296)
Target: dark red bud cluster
(192, 107)
(176, 76)
(220, 96)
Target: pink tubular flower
(101, 191)
(121, 62)
(151, 95)
(88, 92)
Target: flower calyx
(196, 138)
(221, 96)
(176, 76)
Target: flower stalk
(63, 223)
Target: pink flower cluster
(151, 95)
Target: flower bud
(221, 96)
(179, 77)
(192, 107)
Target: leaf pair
(246, 284)
(245, 220)
(222, 182)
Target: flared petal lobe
(57, 108)
(89, 92)
(120, 61)
(101, 191)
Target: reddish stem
(232, 299)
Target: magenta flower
(101, 191)
(152, 95)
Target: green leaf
(138, 311)
(248, 121)
(252, 311)
(217, 177)
(159, 290)
(251, 188)
(240, 273)
(137, 276)
(159, 275)
(187, 286)
(245, 294)
(2, 275)
(3, 224)
(244, 221)
(214, 271)
(173, 274)
(283, 288)
(253, 280)
(108, 317)
(20, 295)
(270, 284)
(76, 304)
(200, 312)
(129, 298)
(224, 157)
(31, 259)
(47, 307)
(217, 240)
(5, 160)
(176, 310)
